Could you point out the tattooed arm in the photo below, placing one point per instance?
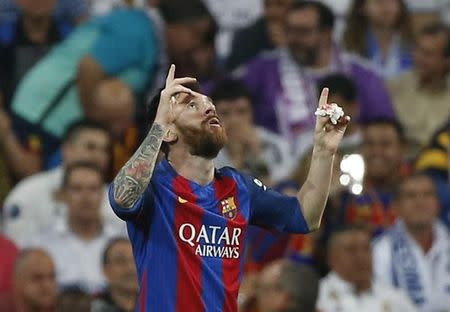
(134, 177)
(132, 180)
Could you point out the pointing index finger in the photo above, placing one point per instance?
(170, 75)
(323, 100)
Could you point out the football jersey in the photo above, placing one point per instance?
(189, 240)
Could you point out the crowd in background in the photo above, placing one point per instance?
(75, 76)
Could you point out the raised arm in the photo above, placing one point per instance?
(314, 193)
(134, 177)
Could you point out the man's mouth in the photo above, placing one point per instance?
(214, 122)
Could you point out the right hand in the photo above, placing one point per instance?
(168, 111)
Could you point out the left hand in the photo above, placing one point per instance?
(326, 135)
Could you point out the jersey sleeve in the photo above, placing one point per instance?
(272, 210)
(144, 205)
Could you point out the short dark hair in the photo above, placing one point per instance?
(74, 129)
(326, 16)
(438, 28)
(357, 227)
(416, 175)
(228, 90)
(182, 11)
(112, 242)
(69, 169)
(394, 123)
(339, 84)
(152, 109)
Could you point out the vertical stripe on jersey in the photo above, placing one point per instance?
(226, 187)
(143, 293)
(213, 290)
(189, 277)
(164, 276)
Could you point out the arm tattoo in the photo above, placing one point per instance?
(135, 175)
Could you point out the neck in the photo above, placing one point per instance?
(194, 168)
(423, 235)
(124, 298)
(384, 36)
(85, 229)
(36, 27)
(325, 55)
(383, 183)
(436, 83)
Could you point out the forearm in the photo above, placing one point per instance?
(314, 193)
(135, 175)
(22, 162)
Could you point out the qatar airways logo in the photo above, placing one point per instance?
(211, 240)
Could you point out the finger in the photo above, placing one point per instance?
(178, 89)
(170, 75)
(323, 97)
(343, 123)
(184, 80)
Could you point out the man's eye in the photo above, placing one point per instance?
(192, 105)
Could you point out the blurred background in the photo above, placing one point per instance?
(75, 77)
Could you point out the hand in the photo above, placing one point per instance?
(326, 135)
(168, 111)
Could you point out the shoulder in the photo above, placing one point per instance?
(7, 31)
(241, 179)
(361, 65)
(265, 61)
(33, 185)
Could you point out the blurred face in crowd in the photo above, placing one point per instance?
(120, 269)
(84, 194)
(35, 281)
(382, 151)
(37, 8)
(429, 58)
(383, 13)
(276, 10)
(417, 202)
(114, 106)
(350, 256)
(270, 295)
(303, 35)
(235, 114)
(198, 125)
(89, 145)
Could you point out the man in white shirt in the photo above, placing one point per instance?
(34, 203)
(253, 149)
(349, 286)
(76, 243)
(415, 254)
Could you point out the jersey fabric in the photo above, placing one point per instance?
(189, 240)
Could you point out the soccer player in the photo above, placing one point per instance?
(187, 221)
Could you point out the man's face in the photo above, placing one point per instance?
(120, 269)
(234, 115)
(429, 59)
(270, 295)
(417, 204)
(382, 151)
(351, 257)
(37, 282)
(383, 13)
(90, 145)
(84, 194)
(198, 125)
(303, 35)
(37, 8)
(276, 10)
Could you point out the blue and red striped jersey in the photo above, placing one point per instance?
(189, 240)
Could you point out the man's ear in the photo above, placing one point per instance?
(171, 135)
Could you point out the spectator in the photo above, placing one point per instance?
(258, 151)
(283, 83)
(120, 271)
(9, 254)
(414, 254)
(74, 299)
(266, 33)
(383, 154)
(382, 32)
(36, 201)
(349, 286)
(77, 242)
(34, 281)
(124, 44)
(287, 286)
(422, 96)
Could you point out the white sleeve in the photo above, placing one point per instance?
(382, 261)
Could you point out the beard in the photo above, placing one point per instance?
(303, 55)
(204, 142)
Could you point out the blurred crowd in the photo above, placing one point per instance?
(75, 76)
